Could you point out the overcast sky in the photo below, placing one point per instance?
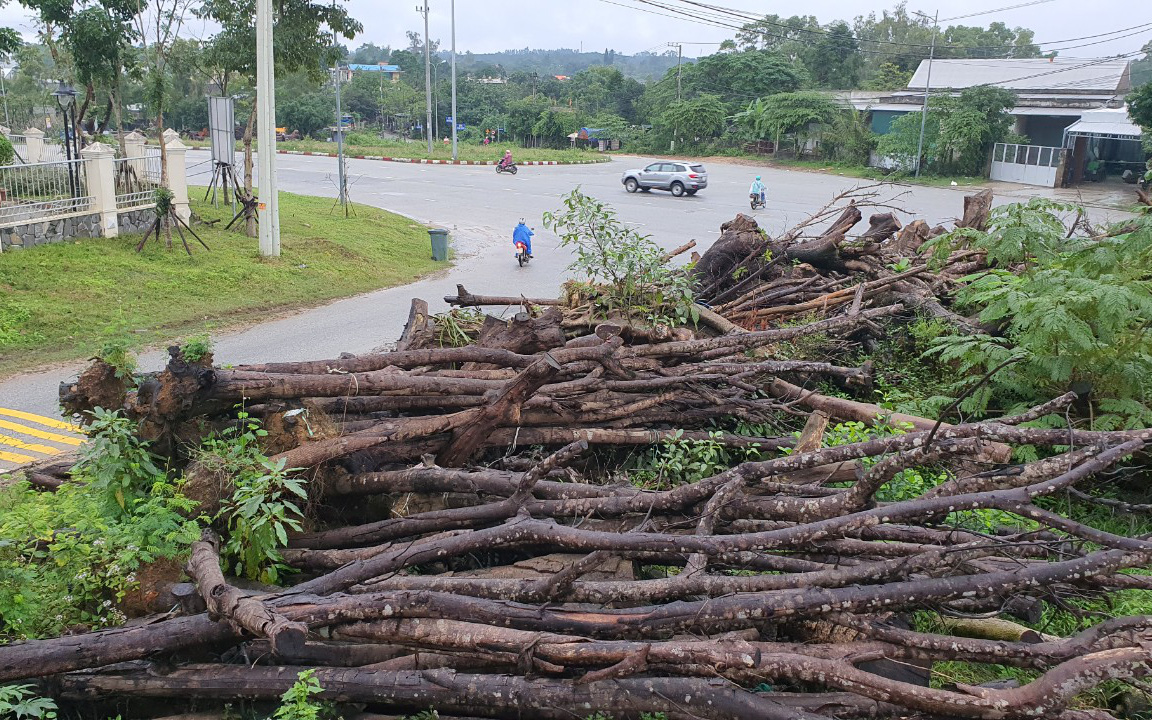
(629, 26)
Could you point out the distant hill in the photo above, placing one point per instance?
(565, 61)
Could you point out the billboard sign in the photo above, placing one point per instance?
(222, 129)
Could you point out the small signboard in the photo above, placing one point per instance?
(222, 129)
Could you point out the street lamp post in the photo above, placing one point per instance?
(455, 122)
(66, 98)
(927, 85)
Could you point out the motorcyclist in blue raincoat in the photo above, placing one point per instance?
(757, 189)
(523, 235)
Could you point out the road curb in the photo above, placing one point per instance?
(426, 161)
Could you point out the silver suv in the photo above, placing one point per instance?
(679, 178)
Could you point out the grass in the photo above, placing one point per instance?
(876, 173)
(64, 301)
(367, 143)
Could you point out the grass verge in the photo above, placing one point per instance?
(64, 301)
(364, 143)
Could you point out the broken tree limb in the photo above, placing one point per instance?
(867, 413)
(237, 608)
(463, 298)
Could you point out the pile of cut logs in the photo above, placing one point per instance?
(482, 544)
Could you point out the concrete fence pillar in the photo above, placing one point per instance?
(134, 144)
(100, 171)
(34, 139)
(178, 176)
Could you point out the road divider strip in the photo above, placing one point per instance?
(427, 161)
(42, 420)
(42, 434)
(30, 447)
(15, 457)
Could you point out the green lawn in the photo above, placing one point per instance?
(877, 174)
(63, 301)
(366, 143)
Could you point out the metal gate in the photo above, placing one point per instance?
(1026, 164)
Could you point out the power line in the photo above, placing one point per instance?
(714, 15)
(989, 12)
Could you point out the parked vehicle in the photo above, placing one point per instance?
(678, 177)
(756, 200)
(509, 168)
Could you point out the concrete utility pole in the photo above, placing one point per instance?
(455, 122)
(339, 128)
(679, 56)
(266, 131)
(427, 78)
(927, 85)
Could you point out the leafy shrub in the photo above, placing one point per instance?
(260, 512)
(7, 152)
(20, 702)
(680, 460)
(297, 702)
(197, 347)
(625, 267)
(67, 557)
(1071, 312)
(116, 464)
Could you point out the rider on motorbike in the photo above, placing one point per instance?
(523, 235)
(757, 189)
(507, 159)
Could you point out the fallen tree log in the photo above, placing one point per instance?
(242, 612)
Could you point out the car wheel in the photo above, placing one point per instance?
(677, 189)
(630, 185)
(691, 192)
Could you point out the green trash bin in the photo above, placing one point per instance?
(439, 238)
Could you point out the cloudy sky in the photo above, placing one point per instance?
(632, 26)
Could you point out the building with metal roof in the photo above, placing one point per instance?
(1101, 77)
(1062, 104)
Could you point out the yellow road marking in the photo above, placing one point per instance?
(33, 447)
(42, 434)
(15, 457)
(41, 420)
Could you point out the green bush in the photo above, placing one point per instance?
(7, 152)
(67, 558)
(624, 270)
(261, 511)
(1071, 312)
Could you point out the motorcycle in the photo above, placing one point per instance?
(522, 255)
(756, 200)
(509, 168)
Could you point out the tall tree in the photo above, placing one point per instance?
(835, 60)
(303, 31)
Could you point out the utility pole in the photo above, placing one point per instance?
(679, 57)
(455, 122)
(339, 129)
(927, 85)
(4, 92)
(535, 77)
(266, 131)
(427, 78)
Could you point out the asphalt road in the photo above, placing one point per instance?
(480, 208)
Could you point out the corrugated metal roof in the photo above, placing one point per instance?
(1106, 121)
(1060, 74)
(1021, 110)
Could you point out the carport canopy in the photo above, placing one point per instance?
(1110, 123)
